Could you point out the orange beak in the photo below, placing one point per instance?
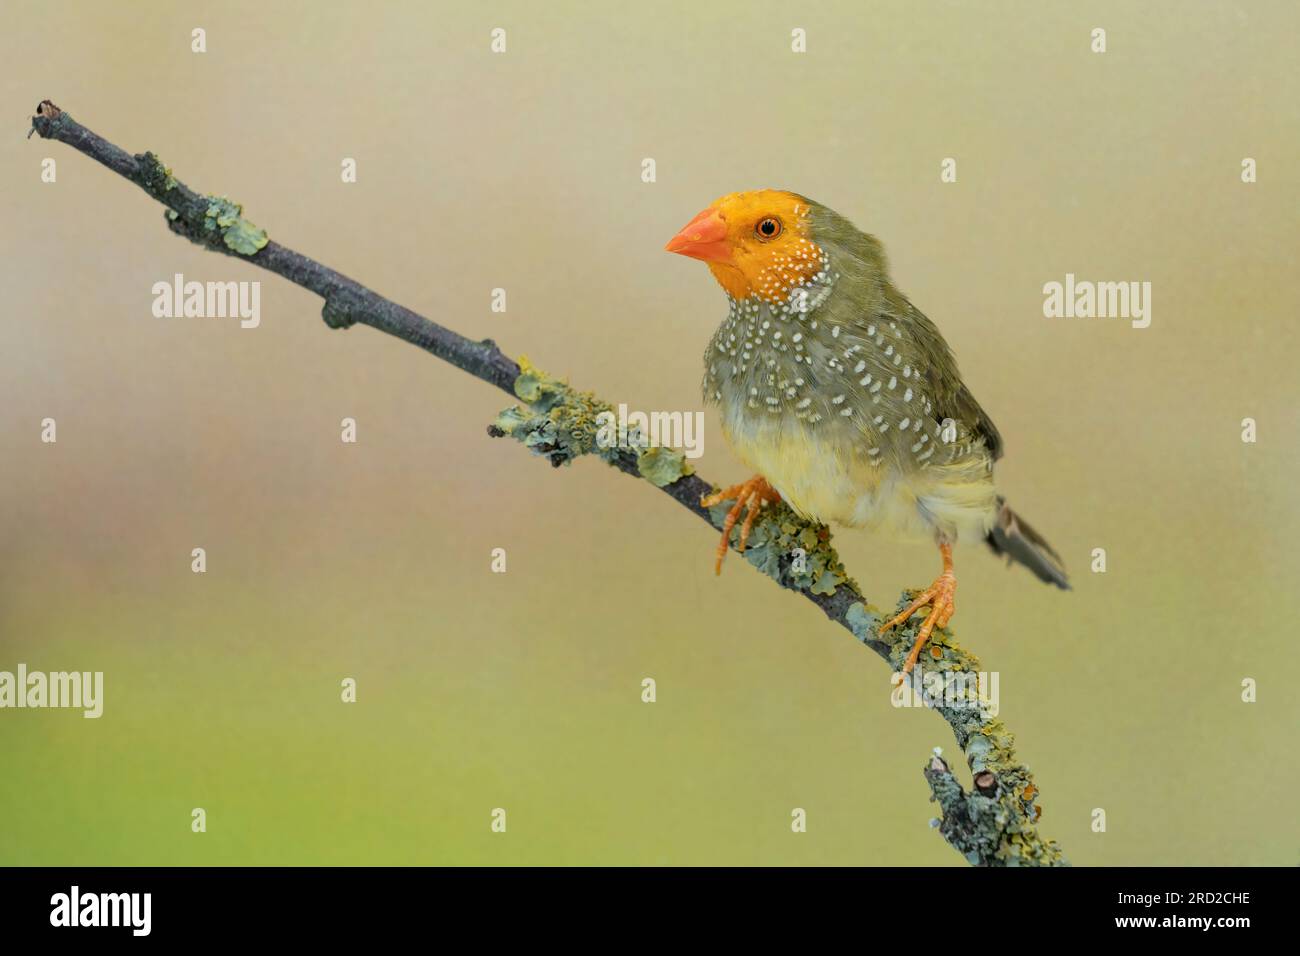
(704, 237)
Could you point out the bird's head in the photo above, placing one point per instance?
(755, 243)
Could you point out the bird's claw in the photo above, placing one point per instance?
(940, 598)
(752, 495)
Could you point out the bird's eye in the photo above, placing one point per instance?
(768, 228)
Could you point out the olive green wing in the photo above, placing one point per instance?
(952, 399)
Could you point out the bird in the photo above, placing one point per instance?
(843, 397)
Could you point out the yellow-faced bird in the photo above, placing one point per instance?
(842, 395)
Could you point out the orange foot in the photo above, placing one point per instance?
(939, 597)
(752, 494)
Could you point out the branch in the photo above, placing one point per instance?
(992, 825)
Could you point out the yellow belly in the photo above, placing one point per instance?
(832, 480)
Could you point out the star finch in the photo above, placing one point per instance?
(842, 395)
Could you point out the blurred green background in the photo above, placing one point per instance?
(522, 170)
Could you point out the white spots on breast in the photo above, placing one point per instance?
(770, 342)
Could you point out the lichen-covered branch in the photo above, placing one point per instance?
(992, 825)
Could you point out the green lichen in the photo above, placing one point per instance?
(559, 423)
(562, 424)
(154, 176)
(662, 466)
(861, 621)
(225, 218)
(536, 387)
(794, 552)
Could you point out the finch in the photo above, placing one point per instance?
(842, 396)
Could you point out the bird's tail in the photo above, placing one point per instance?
(1012, 536)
